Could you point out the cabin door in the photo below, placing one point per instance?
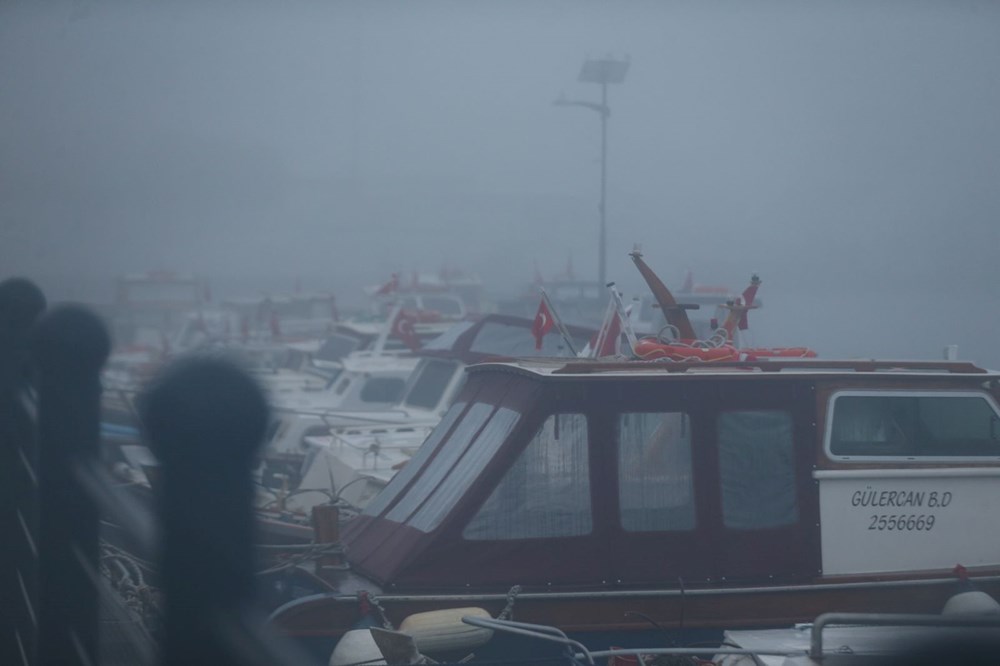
(758, 501)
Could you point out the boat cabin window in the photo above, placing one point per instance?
(337, 347)
(386, 390)
(342, 386)
(451, 452)
(757, 469)
(546, 492)
(655, 484)
(913, 425)
(430, 382)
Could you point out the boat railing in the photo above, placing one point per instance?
(582, 654)
(956, 621)
(62, 604)
(538, 631)
(816, 653)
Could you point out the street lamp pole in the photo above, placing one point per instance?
(603, 234)
(603, 71)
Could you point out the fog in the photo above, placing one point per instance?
(847, 152)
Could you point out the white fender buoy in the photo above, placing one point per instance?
(354, 647)
(443, 631)
(971, 602)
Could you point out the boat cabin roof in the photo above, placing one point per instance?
(793, 366)
(575, 474)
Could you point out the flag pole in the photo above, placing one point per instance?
(559, 324)
(602, 333)
(625, 319)
(383, 336)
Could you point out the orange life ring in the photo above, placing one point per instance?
(779, 352)
(651, 349)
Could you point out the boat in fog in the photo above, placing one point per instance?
(618, 496)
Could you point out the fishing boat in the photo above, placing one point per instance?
(612, 498)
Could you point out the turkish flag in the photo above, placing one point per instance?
(543, 323)
(402, 328)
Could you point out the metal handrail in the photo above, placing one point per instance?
(539, 631)
(555, 635)
(958, 621)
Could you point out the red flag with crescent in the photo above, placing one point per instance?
(543, 323)
(403, 329)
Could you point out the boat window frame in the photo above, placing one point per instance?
(792, 488)
(381, 383)
(417, 375)
(687, 420)
(448, 453)
(907, 393)
(401, 481)
(477, 453)
(586, 458)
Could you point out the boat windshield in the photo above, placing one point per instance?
(429, 383)
(447, 306)
(337, 347)
(500, 339)
(374, 392)
(458, 463)
(447, 340)
(403, 478)
(473, 458)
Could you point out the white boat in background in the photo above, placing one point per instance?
(362, 449)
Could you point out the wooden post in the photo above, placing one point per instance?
(69, 345)
(21, 302)
(326, 527)
(205, 419)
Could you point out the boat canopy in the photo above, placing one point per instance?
(563, 474)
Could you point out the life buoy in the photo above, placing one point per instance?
(651, 349)
(779, 352)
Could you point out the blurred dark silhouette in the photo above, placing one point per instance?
(205, 419)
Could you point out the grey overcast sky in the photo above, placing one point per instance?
(847, 151)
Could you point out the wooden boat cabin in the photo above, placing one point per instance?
(686, 494)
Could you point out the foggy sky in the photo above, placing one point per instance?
(849, 152)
